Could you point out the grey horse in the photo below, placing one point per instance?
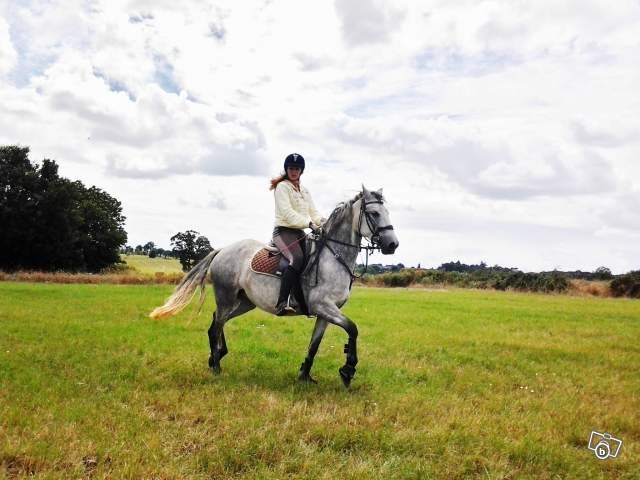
(326, 280)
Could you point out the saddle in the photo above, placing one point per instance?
(268, 261)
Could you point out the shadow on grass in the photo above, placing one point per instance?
(261, 376)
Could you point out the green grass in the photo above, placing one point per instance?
(451, 384)
(145, 265)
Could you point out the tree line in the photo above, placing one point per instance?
(482, 270)
(500, 278)
(188, 247)
(600, 273)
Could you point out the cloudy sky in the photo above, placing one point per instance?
(501, 131)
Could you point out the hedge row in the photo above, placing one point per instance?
(499, 280)
(627, 285)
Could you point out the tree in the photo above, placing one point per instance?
(203, 247)
(147, 247)
(157, 252)
(603, 273)
(52, 223)
(101, 229)
(190, 247)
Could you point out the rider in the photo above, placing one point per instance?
(294, 211)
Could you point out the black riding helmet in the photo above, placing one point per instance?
(294, 160)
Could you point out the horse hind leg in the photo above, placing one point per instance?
(217, 341)
(215, 332)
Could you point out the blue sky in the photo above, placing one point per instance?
(504, 132)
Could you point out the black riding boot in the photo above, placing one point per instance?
(289, 278)
(299, 294)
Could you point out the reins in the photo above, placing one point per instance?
(296, 241)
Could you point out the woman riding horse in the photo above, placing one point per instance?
(238, 289)
(294, 211)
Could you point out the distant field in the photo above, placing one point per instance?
(146, 265)
(451, 384)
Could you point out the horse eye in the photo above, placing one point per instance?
(375, 214)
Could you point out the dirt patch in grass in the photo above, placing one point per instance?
(15, 465)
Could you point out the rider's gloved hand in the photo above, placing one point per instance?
(317, 229)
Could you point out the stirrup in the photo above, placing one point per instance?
(287, 309)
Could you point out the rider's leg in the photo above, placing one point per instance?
(285, 240)
(298, 293)
(299, 264)
(287, 281)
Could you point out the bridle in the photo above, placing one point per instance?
(374, 244)
(371, 224)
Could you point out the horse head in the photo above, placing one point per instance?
(374, 222)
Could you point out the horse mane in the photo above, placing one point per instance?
(343, 208)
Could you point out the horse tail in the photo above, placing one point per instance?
(184, 292)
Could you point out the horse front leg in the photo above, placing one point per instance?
(348, 370)
(332, 314)
(316, 337)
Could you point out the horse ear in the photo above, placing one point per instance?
(365, 192)
(379, 191)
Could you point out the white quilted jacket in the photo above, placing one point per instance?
(295, 209)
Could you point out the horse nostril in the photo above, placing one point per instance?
(393, 246)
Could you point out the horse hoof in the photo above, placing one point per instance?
(307, 379)
(346, 374)
(214, 366)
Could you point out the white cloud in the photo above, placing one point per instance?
(366, 22)
(8, 54)
(607, 132)
(500, 131)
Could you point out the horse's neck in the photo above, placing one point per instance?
(346, 232)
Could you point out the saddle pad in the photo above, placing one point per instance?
(266, 262)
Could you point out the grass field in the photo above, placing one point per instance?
(451, 384)
(145, 265)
